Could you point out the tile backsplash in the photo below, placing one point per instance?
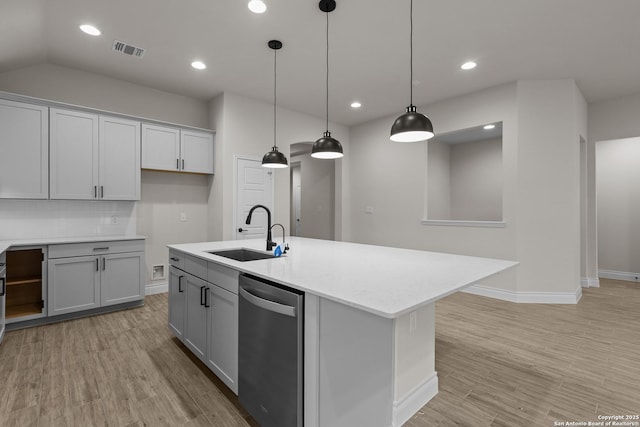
(26, 219)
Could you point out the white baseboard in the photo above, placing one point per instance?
(527, 297)
(156, 288)
(590, 282)
(619, 275)
(409, 404)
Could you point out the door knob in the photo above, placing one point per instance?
(240, 230)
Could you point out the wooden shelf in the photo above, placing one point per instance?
(24, 281)
(23, 310)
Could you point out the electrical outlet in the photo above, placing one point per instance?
(114, 219)
(413, 321)
(183, 217)
(369, 210)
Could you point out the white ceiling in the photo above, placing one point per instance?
(595, 42)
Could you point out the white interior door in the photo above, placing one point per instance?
(254, 186)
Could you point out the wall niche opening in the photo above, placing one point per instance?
(465, 175)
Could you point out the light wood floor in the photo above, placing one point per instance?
(499, 364)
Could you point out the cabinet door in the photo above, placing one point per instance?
(24, 144)
(176, 302)
(122, 278)
(74, 154)
(119, 170)
(222, 336)
(196, 151)
(160, 148)
(74, 284)
(195, 328)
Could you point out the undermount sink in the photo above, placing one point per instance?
(242, 254)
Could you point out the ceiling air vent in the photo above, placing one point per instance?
(128, 49)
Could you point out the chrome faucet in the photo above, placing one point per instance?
(270, 243)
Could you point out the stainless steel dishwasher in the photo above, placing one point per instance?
(270, 352)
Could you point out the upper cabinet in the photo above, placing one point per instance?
(178, 150)
(94, 157)
(24, 154)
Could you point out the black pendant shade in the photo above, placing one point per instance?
(411, 126)
(327, 147)
(274, 158)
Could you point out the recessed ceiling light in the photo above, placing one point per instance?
(468, 65)
(90, 29)
(489, 127)
(356, 104)
(198, 65)
(257, 6)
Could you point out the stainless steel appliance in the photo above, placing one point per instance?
(270, 352)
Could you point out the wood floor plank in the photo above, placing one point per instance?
(499, 364)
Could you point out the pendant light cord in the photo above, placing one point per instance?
(327, 103)
(411, 53)
(275, 82)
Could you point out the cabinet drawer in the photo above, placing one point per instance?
(95, 248)
(176, 259)
(226, 278)
(195, 266)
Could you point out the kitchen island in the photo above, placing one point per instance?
(369, 321)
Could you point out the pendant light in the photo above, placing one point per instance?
(411, 126)
(327, 147)
(274, 158)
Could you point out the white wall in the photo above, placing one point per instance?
(162, 194)
(542, 125)
(438, 176)
(254, 140)
(476, 181)
(31, 219)
(548, 208)
(317, 210)
(608, 120)
(390, 178)
(465, 181)
(77, 87)
(618, 196)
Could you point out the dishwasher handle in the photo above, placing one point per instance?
(266, 304)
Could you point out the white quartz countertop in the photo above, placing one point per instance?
(385, 281)
(6, 244)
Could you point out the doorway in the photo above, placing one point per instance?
(254, 186)
(312, 194)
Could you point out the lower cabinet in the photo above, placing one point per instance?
(177, 298)
(110, 275)
(204, 316)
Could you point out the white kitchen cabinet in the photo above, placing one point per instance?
(24, 143)
(176, 302)
(196, 151)
(173, 149)
(73, 137)
(122, 278)
(222, 335)
(74, 284)
(195, 328)
(160, 147)
(203, 314)
(119, 159)
(84, 276)
(3, 292)
(94, 157)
